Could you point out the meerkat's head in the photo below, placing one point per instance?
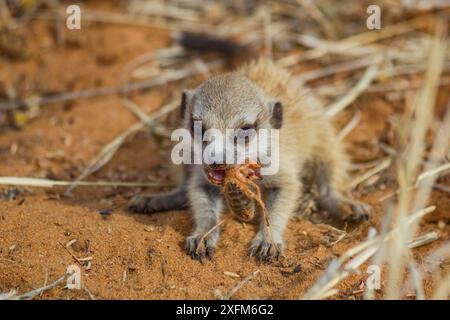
(233, 106)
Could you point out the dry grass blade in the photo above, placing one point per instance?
(432, 172)
(47, 183)
(161, 9)
(34, 293)
(155, 127)
(111, 148)
(380, 167)
(441, 187)
(128, 19)
(8, 295)
(354, 121)
(412, 132)
(402, 85)
(334, 69)
(169, 76)
(319, 17)
(356, 91)
(337, 270)
(424, 240)
(106, 154)
(161, 54)
(416, 277)
(91, 296)
(358, 40)
(443, 289)
(437, 172)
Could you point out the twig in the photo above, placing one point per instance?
(91, 296)
(31, 294)
(441, 187)
(380, 167)
(436, 172)
(319, 17)
(162, 9)
(240, 285)
(155, 127)
(202, 239)
(416, 279)
(433, 173)
(349, 126)
(71, 254)
(161, 54)
(45, 281)
(334, 69)
(403, 86)
(173, 75)
(128, 19)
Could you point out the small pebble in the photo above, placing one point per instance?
(105, 212)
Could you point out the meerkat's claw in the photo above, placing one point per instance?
(199, 250)
(265, 250)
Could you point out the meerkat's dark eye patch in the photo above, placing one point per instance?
(183, 105)
(276, 118)
(187, 98)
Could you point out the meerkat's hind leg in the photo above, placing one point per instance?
(335, 203)
(358, 210)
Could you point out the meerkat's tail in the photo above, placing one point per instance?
(174, 200)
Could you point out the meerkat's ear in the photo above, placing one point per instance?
(186, 98)
(276, 114)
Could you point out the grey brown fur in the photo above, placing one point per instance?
(311, 157)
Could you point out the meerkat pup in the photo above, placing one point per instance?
(312, 162)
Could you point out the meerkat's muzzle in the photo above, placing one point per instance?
(215, 173)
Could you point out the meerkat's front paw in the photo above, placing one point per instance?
(356, 211)
(141, 204)
(265, 250)
(199, 247)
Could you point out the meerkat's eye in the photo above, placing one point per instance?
(245, 134)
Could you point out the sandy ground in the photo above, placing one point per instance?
(138, 256)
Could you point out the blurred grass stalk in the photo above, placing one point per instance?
(412, 129)
(398, 227)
